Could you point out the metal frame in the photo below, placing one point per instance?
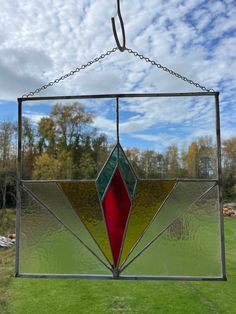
(107, 277)
(127, 95)
(218, 182)
(18, 194)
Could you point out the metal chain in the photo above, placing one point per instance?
(82, 67)
(102, 56)
(179, 76)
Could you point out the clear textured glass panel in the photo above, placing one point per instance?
(51, 195)
(106, 173)
(46, 247)
(169, 137)
(67, 138)
(149, 196)
(181, 197)
(116, 206)
(189, 247)
(84, 199)
(127, 172)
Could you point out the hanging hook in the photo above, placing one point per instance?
(120, 47)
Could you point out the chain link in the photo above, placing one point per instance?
(136, 54)
(102, 56)
(63, 77)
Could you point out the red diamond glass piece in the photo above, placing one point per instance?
(116, 207)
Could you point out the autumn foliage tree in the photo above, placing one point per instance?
(229, 167)
(68, 141)
(66, 145)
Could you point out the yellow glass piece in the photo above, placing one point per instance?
(84, 199)
(149, 196)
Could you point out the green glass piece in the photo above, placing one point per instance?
(46, 247)
(51, 195)
(149, 196)
(106, 173)
(127, 172)
(84, 199)
(189, 247)
(178, 202)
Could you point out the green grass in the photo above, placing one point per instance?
(6, 267)
(24, 295)
(7, 226)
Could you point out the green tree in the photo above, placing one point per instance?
(229, 157)
(46, 168)
(100, 149)
(190, 158)
(87, 167)
(200, 158)
(151, 164)
(28, 147)
(134, 155)
(172, 163)
(7, 161)
(68, 136)
(207, 157)
(47, 136)
(67, 168)
(229, 168)
(71, 121)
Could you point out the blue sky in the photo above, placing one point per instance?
(42, 40)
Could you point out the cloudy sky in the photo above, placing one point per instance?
(42, 40)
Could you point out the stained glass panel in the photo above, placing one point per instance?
(188, 247)
(84, 199)
(116, 206)
(46, 247)
(183, 195)
(106, 173)
(53, 197)
(127, 172)
(121, 184)
(149, 196)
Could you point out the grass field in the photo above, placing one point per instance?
(23, 295)
(7, 225)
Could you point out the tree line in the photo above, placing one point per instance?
(65, 145)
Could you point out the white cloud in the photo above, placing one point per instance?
(42, 40)
(34, 117)
(105, 125)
